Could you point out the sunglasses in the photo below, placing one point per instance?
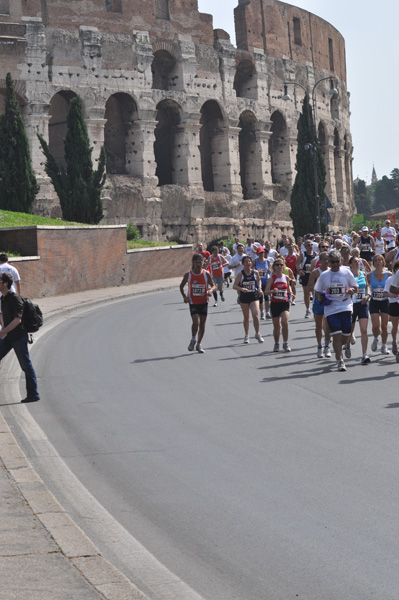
(278, 264)
(334, 261)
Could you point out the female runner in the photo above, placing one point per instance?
(379, 304)
(360, 308)
(393, 310)
(249, 286)
(279, 288)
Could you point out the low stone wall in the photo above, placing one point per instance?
(61, 260)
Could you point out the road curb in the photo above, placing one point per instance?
(81, 553)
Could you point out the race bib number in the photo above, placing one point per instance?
(262, 273)
(249, 285)
(307, 268)
(361, 294)
(280, 294)
(378, 294)
(365, 247)
(337, 291)
(198, 289)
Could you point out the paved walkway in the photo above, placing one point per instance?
(43, 554)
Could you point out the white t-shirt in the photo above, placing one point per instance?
(389, 235)
(7, 268)
(283, 251)
(272, 253)
(335, 285)
(235, 263)
(388, 284)
(395, 279)
(379, 246)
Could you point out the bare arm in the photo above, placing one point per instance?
(14, 323)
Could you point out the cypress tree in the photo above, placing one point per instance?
(303, 208)
(78, 187)
(18, 186)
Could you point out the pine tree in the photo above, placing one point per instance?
(78, 187)
(18, 186)
(303, 208)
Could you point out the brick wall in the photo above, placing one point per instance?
(73, 259)
(124, 17)
(270, 26)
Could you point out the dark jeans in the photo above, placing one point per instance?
(20, 348)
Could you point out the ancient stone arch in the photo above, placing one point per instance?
(119, 139)
(279, 149)
(165, 66)
(211, 145)
(168, 118)
(57, 127)
(249, 156)
(245, 83)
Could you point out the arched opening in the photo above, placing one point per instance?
(168, 117)
(210, 144)
(245, 80)
(163, 71)
(247, 150)
(334, 107)
(279, 149)
(120, 113)
(57, 128)
(321, 134)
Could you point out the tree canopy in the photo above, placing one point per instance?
(18, 185)
(78, 186)
(303, 203)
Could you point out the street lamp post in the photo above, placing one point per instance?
(312, 145)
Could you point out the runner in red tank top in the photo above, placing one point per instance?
(200, 288)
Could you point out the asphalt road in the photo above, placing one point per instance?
(249, 475)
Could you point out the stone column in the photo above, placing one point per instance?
(187, 154)
(226, 160)
(36, 121)
(95, 122)
(140, 151)
(328, 151)
(262, 149)
(340, 182)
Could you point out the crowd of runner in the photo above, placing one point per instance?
(345, 278)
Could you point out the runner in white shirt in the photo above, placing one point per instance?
(335, 289)
(393, 308)
(389, 234)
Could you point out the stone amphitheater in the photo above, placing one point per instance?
(200, 142)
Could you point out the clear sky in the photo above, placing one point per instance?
(371, 35)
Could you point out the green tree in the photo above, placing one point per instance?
(79, 186)
(303, 208)
(386, 194)
(18, 186)
(363, 201)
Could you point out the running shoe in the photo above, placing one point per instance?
(341, 365)
(268, 315)
(307, 314)
(384, 349)
(262, 315)
(365, 360)
(394, 348)
(348, 352)
(286, 347)
(199, 348)
(319, 351)
(397, 357)
(276, 347)
(191, 345)
(259, 338)
(246, 339)
(292, 302)
(374, 344)
(215, 304)
(222, 298)
(327, 352)
(353, 339)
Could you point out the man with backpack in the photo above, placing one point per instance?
(13, 335)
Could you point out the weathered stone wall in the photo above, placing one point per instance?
(200, 143)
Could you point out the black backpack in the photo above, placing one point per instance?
(32, 317)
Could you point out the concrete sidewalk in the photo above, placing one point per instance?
(44, 555)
